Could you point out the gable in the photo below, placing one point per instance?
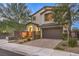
(44, 9)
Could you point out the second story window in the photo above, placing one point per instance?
(34, 18)
(49, 17)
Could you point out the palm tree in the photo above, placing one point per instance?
(18, 12)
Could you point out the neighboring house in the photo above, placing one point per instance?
(43, 22)
(75, 33)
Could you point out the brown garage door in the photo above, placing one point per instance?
(52, 33)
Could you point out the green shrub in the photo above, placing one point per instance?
(64, 36)
(72, 42)
(59, 48)
(64, 44)
(29, 39)
(24, 37)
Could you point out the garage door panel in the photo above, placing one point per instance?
(52, 33)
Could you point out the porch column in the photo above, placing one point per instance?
(40, 32)
(33, 32)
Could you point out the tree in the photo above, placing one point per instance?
(15, 16)
(75, 12)
(10, 26)
(63, 15)
(18, 12)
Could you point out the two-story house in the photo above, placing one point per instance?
(43, 21)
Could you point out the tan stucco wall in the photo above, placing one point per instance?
(40, 19)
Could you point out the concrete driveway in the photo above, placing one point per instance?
(44, 43)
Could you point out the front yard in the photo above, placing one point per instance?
(63, 46)
(50, 43)
(58, 44)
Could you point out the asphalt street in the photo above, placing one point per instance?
(8, 53)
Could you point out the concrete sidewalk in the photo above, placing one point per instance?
(32, 50)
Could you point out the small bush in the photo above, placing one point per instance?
(59, 48)
(72, 42)
(28, 38)
(64, 44)
(24, 37)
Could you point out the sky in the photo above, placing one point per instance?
(36, 6)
